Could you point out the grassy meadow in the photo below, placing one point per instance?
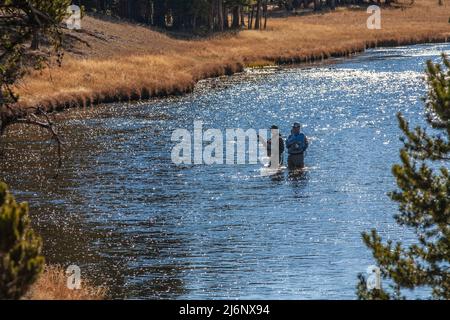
(129, 62)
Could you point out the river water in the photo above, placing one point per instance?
(146, 228)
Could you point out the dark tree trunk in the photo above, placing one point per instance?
(265, 14)
(122, 9)
(316, 5)
(220, 20)
(211, 17)
(258, 15)
(194, 22)
(252, 14)
(332, 4)
(148, 12)
(236, 15)
(35, 41)
(159, 13)
(226, 22)
(242, 17)
(131, 10)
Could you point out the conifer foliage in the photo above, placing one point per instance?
(423, 196)
(21, 261)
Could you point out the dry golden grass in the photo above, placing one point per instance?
(52, 285)
(131, 62)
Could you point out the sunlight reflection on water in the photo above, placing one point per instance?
(129, 217)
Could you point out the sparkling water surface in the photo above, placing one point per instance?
(147, 228)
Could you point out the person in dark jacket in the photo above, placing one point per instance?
(273, 148)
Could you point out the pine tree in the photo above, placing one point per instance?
(20, 249)
(23, 22)
(424, 201)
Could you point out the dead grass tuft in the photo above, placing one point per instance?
(52, 285)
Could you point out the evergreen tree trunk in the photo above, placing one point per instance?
(265, 14)
(159, 13)
(122, 10)
(226, 22)
(242, 17)
(35, 42)
(258, 15)
(211, 18)
(148, 12)
(102, 6)
(333, 4)
(130, 11)
(194, 22)
(236, 16)
(316, 5)
(220, 20)
(252, 14)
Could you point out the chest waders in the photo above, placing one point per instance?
(296, 161)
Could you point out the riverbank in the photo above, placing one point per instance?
(129, 62)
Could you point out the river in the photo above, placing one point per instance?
(146, 228)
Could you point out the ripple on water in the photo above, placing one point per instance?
(148, 228)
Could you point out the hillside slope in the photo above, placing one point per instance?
(126, 61)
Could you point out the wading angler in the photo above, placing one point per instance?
(212, 146)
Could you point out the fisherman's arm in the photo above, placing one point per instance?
(290, 141)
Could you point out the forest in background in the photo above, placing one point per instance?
(207, 15)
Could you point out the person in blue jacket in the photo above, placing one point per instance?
(296, 144)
